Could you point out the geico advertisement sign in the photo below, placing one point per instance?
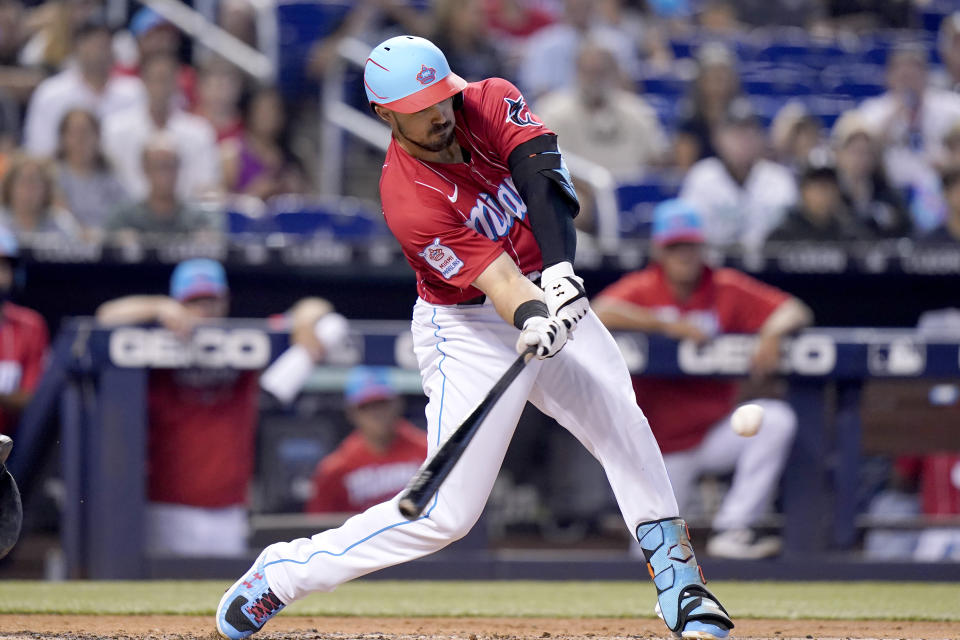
(808, 355)
(207, 347)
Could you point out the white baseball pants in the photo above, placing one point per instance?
(757, 463)
(462, 351)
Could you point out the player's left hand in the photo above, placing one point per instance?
(564, 294)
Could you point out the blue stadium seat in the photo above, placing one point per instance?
(343, 218)
(300, 23)
(636, 201)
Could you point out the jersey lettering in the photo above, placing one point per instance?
(494, 218)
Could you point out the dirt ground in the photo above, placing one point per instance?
(43, 627)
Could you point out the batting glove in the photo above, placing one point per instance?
(548, 335)
(564, 294)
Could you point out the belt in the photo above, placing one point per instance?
(473, 302)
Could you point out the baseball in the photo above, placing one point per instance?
(746, 420)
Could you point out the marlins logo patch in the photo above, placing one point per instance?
(442, 258)
(518, 114)
(426, 75)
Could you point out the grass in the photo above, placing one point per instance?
(847, 601)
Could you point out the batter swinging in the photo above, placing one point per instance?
(477, 194)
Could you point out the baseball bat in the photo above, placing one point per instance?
(435, 470)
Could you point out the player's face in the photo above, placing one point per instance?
(682, 263)
(377, 419)
(208, 307)
(430, 129)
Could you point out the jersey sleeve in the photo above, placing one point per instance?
(752, 300)
(507, 119)
(633, 288)
(435, 238)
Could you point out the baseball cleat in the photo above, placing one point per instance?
(698, 629)
(247, 605)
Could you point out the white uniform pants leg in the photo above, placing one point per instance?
(587, 389)
(461, 353)
(757, 463)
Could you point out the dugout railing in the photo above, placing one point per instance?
(97, 382)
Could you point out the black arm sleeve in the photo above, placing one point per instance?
(546, 188)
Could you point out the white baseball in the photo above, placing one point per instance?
(746, 420)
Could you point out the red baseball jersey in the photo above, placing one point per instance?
(453, 220)
(354, 477)
(681, 411)
(939, 481)
(202, 424)
(23, 350)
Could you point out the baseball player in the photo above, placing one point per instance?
(476, 192)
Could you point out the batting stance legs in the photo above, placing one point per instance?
(461, 352)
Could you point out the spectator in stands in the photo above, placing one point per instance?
(156, 36)
(820, 216)
(863, 180)
(261, 163)
(86, 181)
(949, 231)
(219, 89)
(163, 211)
(602, 122)
(867, 16)
(202, 421)
(460, 30)
(375, 462)
(948, 44)
(937, 475)
(741, 195)
(643, 27)
(239, 19)
(716, 85)
(551, 54)
(56, 28)
(681, 297)
(516, 20)
(23, 340)
(912, 119)
(29, 203)
(795, 134)
(125, 134)
(17, 81)
(88, 84)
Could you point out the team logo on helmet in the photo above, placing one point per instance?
(426, 75)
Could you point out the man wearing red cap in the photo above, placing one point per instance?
(475, 190)
(681, 297)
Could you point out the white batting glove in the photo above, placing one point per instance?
(564, 294)
(547, 334)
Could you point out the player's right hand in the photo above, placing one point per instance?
(547, 334)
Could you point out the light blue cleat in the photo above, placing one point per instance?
(683, 601)
(248, 604)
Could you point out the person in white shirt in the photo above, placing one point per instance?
(88, 84)
(741, 195)
(126, 134)
(602, 122)
(550, 58)
(912, 119)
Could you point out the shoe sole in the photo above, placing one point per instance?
(220, 631)
(702, 635)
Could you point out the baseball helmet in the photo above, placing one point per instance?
(408, 74)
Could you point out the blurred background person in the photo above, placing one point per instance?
(17, 80)
(88, 84)
(740, 195)
(23, 339)
(53, 29)
(863, 179)
(600, 121)
(912, 118)
(126, 133)
(949, 230)
(261, 162)
(219, 89)
(681, 297)
(87, 183)
(820, 215)
(28, 200)
(460, 31)
(796, 134)
(715, 86)
(948, 45)
(375, 462)
(155, 36)
(202, 422)
(550, 61)
(162, 211)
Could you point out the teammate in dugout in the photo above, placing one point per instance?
(477, 194)
(682, 297)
